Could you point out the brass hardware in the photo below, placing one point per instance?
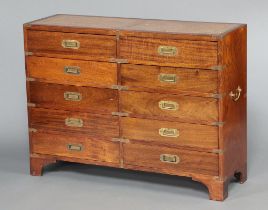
(122, 140)
(217, 151)
(167, 78)
(169, 132)
(74, 122)
(167, 50)
(31, 105)
(72, 70)
(218, 68)
(218, 96)
(119, 87)
(167, 158)
(120, 114)
(30, 79)
(28, 53)
(168, 105)
(75, 147)
(235, 95)
(70, 44)
(118, 60)
(218, 123)
(72, 96)
(32, 130)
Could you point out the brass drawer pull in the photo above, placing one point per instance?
(74, 122)
(72, 70)
(72, 96)
(167, 50)
(167, 78)
(167, 158)
(70, 44)
(169, 132)
(235, 95)
(168, 105)
(75, 147)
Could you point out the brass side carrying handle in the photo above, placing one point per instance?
(168, 105)
(168, 158)
(169, 132)
(74, 122)
(72, 70)
(72, 96)
(167, 50)
(167, 78)
(75, 147)
(235, 95)
(70, 44)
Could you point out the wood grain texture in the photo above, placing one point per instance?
(192, 54)
(191, 81)
(190, 109)
(95, 74)
(92, 47)
(51, 96)
(94, 125)
(197, 137)
(92, 149)
(38, 163)
(190, 161)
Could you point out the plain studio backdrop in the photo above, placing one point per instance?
(77, 186)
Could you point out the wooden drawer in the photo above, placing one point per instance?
(170, 107)
(72, 72)
(74, 146)
(94, 125)
(149, 157)
(164, 52)
(171, 134)
(168, 79)
(84, 99)
(71, 45)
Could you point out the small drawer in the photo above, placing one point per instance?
(171, 134)
(84, 99)
(74, 146)
(71, 45)
(170, 160)
(170, 107)
(163, 52)
(72, 72)
(94, 125)
(168, 79)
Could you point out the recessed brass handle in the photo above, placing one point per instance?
(72, 70)
(167, 78)
(167, 50)
(168, 158)
(70, 44)
(169, 132)
(75, 147)
(74, 122)
(72, 96)
(235, 95)
(168, 105)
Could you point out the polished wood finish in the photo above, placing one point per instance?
(122, 114)
(91, 73)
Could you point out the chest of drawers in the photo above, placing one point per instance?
(151, 95)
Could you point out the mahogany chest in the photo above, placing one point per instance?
(151, 95)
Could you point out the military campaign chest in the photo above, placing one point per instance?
(151, 95)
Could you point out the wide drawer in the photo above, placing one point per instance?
(168, 79)
(169, 107)
(82, 147)
(72, 72)
(73, 98)
(169, 160)
(170, 134)
(71, 45)
(94, 125)
(164, 52)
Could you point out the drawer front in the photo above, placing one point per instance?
(169, 160)
(74, 146)
(168, 106)
(71, 45)
(162, 52)
(94, 125)
(168, 79)
(85, 99)
(170, 133)
(72, 72)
